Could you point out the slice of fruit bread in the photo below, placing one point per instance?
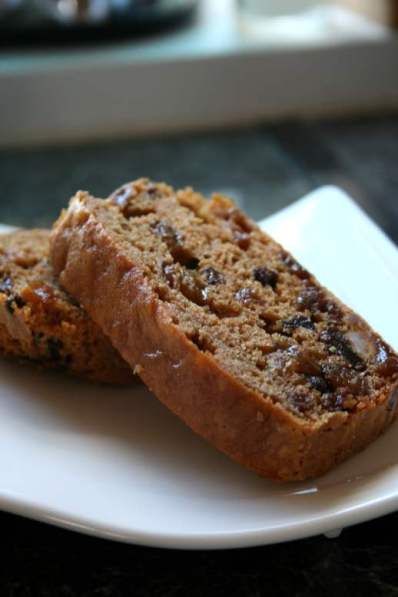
(228, 330)
(40, 322)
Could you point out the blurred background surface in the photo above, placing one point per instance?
(193, 65)
(261, 99)
(263, 167)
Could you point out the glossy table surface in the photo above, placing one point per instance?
(263, 168)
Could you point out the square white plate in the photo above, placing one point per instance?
(115, 463)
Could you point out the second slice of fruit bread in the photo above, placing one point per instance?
(227, 329)
(40, 322)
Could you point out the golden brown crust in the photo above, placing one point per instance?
(249, 427)
(41, 323)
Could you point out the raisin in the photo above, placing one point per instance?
(244, 295)
(122, 196)
(6, 285)
(19, 301)
(309, 298)
(167, 233)
(333, 402)
(334, 338)
(265, 276)
(319, 383)
(294, 266)
(173, 240)
(170, 274)
(314, 299)
(360, 385)
(386, 361)
(383, 353)
(213, 276)
(240, 228)
(299, 321)
(192, 263)
(43, 293)
(242, 239)
(335, 374)
(142, 206)
(333, 310)
(151, 188)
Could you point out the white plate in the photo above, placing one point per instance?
(115, 463)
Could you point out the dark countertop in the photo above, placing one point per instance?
(264, 168)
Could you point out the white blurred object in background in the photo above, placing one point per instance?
(291, 19)
(277, 8)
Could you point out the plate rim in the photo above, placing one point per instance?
(357, 514)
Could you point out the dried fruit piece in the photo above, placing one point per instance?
(310, 298)
(265, 276)
(173, 240)
(386, 361)
(335, 374)
(319, 383)
(169, 273)
(213, 276)
(167, 233)
(244, 295)
(6, 285)
(122, 196)
(238, 224)
(362, 343)
(335, 339)
(242, 239)
(360, 385)
(294, 266)
(333, 402)
(299, 321)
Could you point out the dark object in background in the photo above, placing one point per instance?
(62, 21)
(384, 11)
